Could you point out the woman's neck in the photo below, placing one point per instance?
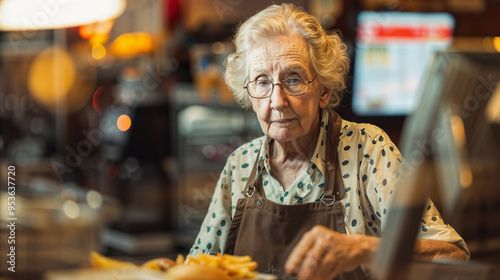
(301, 149)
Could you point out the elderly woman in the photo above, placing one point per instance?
(310, 196)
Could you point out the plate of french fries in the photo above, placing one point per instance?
(201, 267)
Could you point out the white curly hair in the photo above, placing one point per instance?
(327, 52)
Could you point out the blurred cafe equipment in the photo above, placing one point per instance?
(115, 123)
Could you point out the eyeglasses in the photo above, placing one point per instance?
(294, 85)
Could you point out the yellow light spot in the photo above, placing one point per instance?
(51, 76)
(98, 51)
(129, 44)
(97, 38)
(496, 43)
(123, 122)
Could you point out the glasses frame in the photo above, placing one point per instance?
(281, 85)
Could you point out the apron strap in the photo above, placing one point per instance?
(251, 187)
(334, 185)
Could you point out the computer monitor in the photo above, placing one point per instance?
(450, 143)
(392, 51)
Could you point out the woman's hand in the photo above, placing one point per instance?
(323, 253)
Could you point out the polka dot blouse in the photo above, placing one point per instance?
(369, 163)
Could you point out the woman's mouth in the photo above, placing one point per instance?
(282, 121)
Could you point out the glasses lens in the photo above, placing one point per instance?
(260, 88)
(295, 85)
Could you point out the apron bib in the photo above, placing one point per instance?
(268, 231)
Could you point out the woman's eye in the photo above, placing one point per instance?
(294, 80)
(263, 83)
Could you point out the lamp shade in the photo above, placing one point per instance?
(21, 15)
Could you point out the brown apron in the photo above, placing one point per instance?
(268, 231)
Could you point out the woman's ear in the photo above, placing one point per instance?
(324, 98)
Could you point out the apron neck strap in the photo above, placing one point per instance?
(334, 187)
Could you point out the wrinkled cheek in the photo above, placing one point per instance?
(263, 114)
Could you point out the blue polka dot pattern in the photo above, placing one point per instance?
(367, 172)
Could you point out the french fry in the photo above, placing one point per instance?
(237, 267)
(99, 261)
(180, 259)
(236, 259)
(229, 266)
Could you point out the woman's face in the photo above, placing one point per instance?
(282, 117)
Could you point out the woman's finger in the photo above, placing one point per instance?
(299, 252)
(314, 258)
(329, 268)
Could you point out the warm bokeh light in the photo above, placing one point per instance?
(94, 199)
(492, 109)
(132, 43)
(71, 209)
(124, 122)
(496, 43)
(25, 15)
(98, 38)
(51, 76)
(98, 51)
(85, 31)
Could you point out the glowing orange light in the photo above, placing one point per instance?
(51, 76)
(496, 43)
(85, 31)
(98, 51)
(97, 38)
(132, 44)
(124, 122)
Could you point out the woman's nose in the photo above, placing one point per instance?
(278, 98)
